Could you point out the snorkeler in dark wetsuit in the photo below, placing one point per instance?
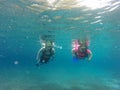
(45, 53)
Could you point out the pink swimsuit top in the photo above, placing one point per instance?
(76, 46)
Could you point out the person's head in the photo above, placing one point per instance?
(48, 44)
(82, 48)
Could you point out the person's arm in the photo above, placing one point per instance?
(89, 54)
(73, 52)
(53, 54)
(39, 54)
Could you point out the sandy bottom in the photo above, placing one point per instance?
(46, 78)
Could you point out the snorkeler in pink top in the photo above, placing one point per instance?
(80, 49)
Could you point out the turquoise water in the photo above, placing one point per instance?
(22, 25)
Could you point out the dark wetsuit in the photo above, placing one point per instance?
(46, 55)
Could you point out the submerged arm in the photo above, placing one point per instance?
(89, 55)
(53, 54)
(39, 54)
(73, 52)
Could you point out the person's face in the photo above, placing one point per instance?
(82, 49)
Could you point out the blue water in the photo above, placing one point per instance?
(21, 27)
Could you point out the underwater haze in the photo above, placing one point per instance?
(24, 22)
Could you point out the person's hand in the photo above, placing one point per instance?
(89, 59)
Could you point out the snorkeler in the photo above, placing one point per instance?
(80, 50)
(45, 53)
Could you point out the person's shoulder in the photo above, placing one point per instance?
(89, 51)
(43, 48)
